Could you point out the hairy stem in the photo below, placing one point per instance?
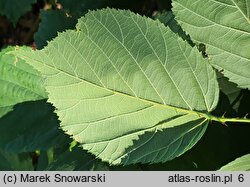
(232, 120)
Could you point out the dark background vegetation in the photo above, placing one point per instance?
(220, 145)
(23, 32)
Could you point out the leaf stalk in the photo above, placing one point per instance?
(223, 120)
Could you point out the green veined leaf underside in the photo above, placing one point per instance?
(224, 27)
(19, 82)
(119, 75)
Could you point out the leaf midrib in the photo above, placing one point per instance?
(156, 55)
(114, 91)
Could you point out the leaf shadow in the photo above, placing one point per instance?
(168, 19)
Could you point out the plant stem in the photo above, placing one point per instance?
(233, 120)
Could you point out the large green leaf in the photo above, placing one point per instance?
(119, 75)
(19, 82)
(224, 27)
(240, 164)
(13, 9)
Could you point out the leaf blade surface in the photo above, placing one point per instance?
(224, 27)
(120, 75)
(19, 82)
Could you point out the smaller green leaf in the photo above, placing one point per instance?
(14, 9)
(19, 82)
(240, 164)
(166, 144)
(224, 27)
